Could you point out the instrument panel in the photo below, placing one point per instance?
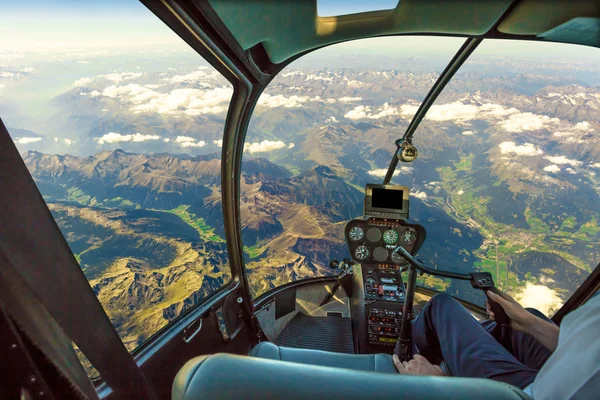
(373, 240)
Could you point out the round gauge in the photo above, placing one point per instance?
(380, 254)
(356, 233)
(390, 236)
(370, 281)
(408, 237)
(398, 259)
(361, 252)
(374, 235)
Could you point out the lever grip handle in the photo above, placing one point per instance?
(499, 314)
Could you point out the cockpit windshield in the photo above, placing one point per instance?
(323, 128)
(505, 180)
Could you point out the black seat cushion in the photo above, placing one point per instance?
(361, 362)
(231, 377)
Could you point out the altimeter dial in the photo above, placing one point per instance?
(390, 236)
(361, 252)
(408, 237)
(356, 233)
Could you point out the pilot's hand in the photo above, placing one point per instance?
(519, 317)
(417, 366)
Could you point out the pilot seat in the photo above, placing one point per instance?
(273, 372)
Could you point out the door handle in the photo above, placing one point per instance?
(192, 330)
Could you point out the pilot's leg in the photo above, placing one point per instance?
(446, 330)
(523, 346)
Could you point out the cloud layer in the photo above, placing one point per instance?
(114, 137)
(527, 149)
(27, 140)
(186, 141)
(266, 146)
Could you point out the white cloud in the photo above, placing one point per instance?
(264, 146)
(114, 137)
(331, 119)
(153, 86)
(539, 297)
(527, 122)
(583, 126)
(571, 170)
(195, 76)
(468, 133)
(512, 120)
(56, 139)
(452, 111)
(596, 165)
(562, 160)
(120, 77)
(166, 140)
(527, 149)
(552, 168)
(218, 143)
(419, 195)
(187, 141)
(68, 142)
(82, 82)
(460, 192)
(291, 146)
(363, 112)
(200, 143)
(358, 112)
(562, 133)
(267, 100)
(380, 173)
(83, 62)
(27, 140)
(27, 70)
(346, 99)
(2, 86)
(187, 101)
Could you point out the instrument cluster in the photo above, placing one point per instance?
(373, 240)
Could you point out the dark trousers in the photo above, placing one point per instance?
(445, 330)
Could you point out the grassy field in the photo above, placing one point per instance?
(206, 231)
(468, 204)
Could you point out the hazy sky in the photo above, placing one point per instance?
(61, 25)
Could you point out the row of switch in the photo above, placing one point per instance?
(380, 291)
(385, 313)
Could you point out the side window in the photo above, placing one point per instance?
(517, 181)
(323, 129)
(120, 125)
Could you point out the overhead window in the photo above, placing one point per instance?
(332, 8)
(120, 124)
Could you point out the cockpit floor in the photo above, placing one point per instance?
(319, 333)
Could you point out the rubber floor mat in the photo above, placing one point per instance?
(319, 333)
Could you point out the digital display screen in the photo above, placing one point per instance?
(388, 339)
(391, 199)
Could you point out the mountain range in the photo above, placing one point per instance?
(505, 180)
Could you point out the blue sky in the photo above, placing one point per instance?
(327, 8)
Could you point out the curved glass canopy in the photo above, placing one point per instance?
(137, 149)
(498, 180)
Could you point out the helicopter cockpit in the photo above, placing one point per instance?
(209, 199)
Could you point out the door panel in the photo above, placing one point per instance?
(161, 361)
